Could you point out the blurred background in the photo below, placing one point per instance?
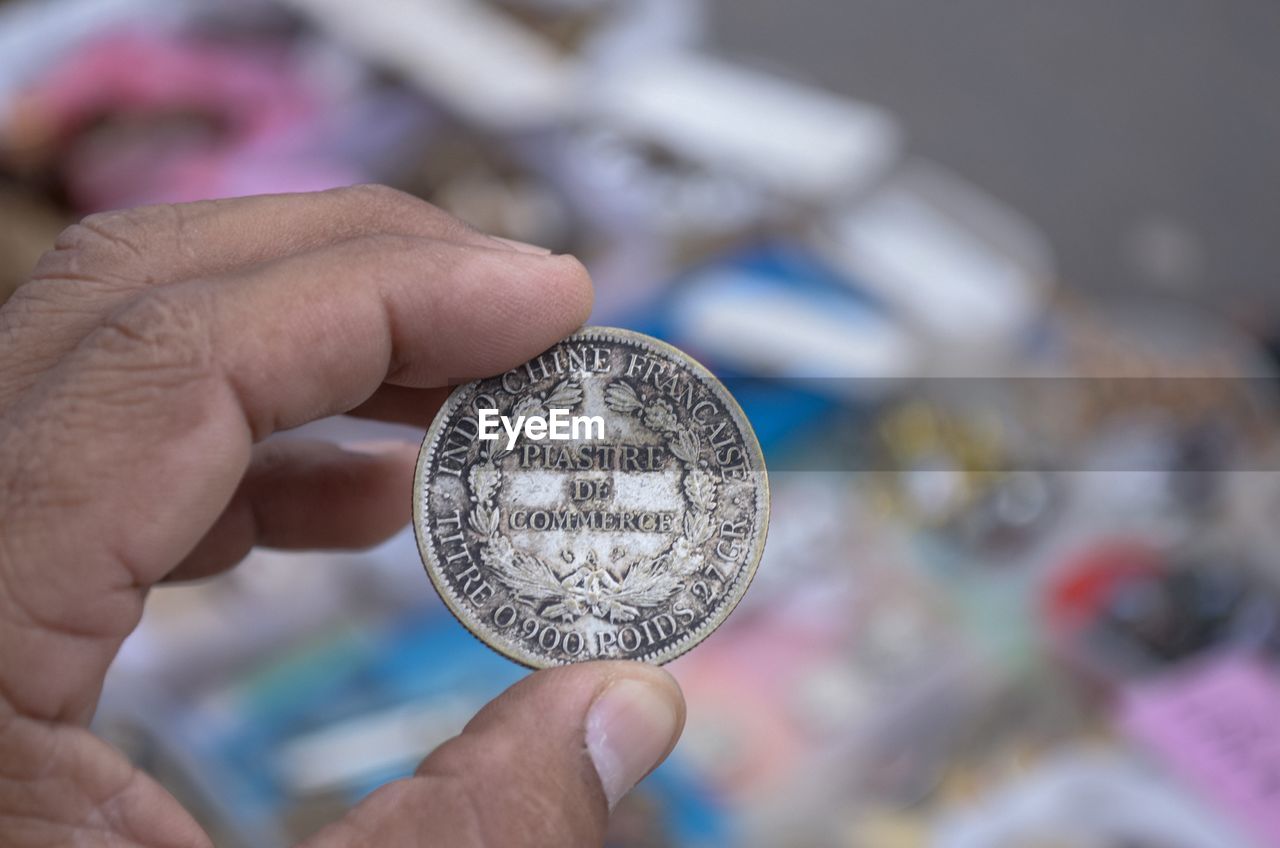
(994, 282)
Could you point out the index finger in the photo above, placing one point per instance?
(108, 258)
(130, 448)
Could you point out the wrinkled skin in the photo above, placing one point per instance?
(140, 370)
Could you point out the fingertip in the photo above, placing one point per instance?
(579, 291)
(629, 716)
(511, 308)
(546, 761)
(554, 290)
(631, 726)
(614, 671)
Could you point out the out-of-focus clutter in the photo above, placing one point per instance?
(1018, 587)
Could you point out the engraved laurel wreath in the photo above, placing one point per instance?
(591, 589)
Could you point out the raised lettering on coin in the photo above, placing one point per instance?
(555, 543)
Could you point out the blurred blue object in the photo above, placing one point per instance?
(788, 376)
(336, 719)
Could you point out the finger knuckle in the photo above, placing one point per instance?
(119, 243)
(120, 231)
(58, 263)
(78, 254)
(36, 300)
(164, 330)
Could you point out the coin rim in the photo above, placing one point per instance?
(709, 625)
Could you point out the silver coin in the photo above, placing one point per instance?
(633, 538)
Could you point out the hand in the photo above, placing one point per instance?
(151, 353)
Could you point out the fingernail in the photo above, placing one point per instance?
(522, 246)
(629, 729)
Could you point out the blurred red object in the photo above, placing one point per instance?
(1089, 580)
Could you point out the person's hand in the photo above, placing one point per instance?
(149, 355)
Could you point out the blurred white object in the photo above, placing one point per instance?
(484, 65)
(623, 30)
(801, 143)
(349, 752)
(635, 29)
(771, 331)
(966, 272)
(1087, 800)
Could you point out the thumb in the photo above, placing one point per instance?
(541, 765)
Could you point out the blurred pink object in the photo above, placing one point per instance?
(1215, 724)
(146, 117)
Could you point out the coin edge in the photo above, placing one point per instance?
(691, 640)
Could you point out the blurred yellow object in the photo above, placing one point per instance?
(957, 455)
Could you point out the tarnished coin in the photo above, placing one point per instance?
(606, 499)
